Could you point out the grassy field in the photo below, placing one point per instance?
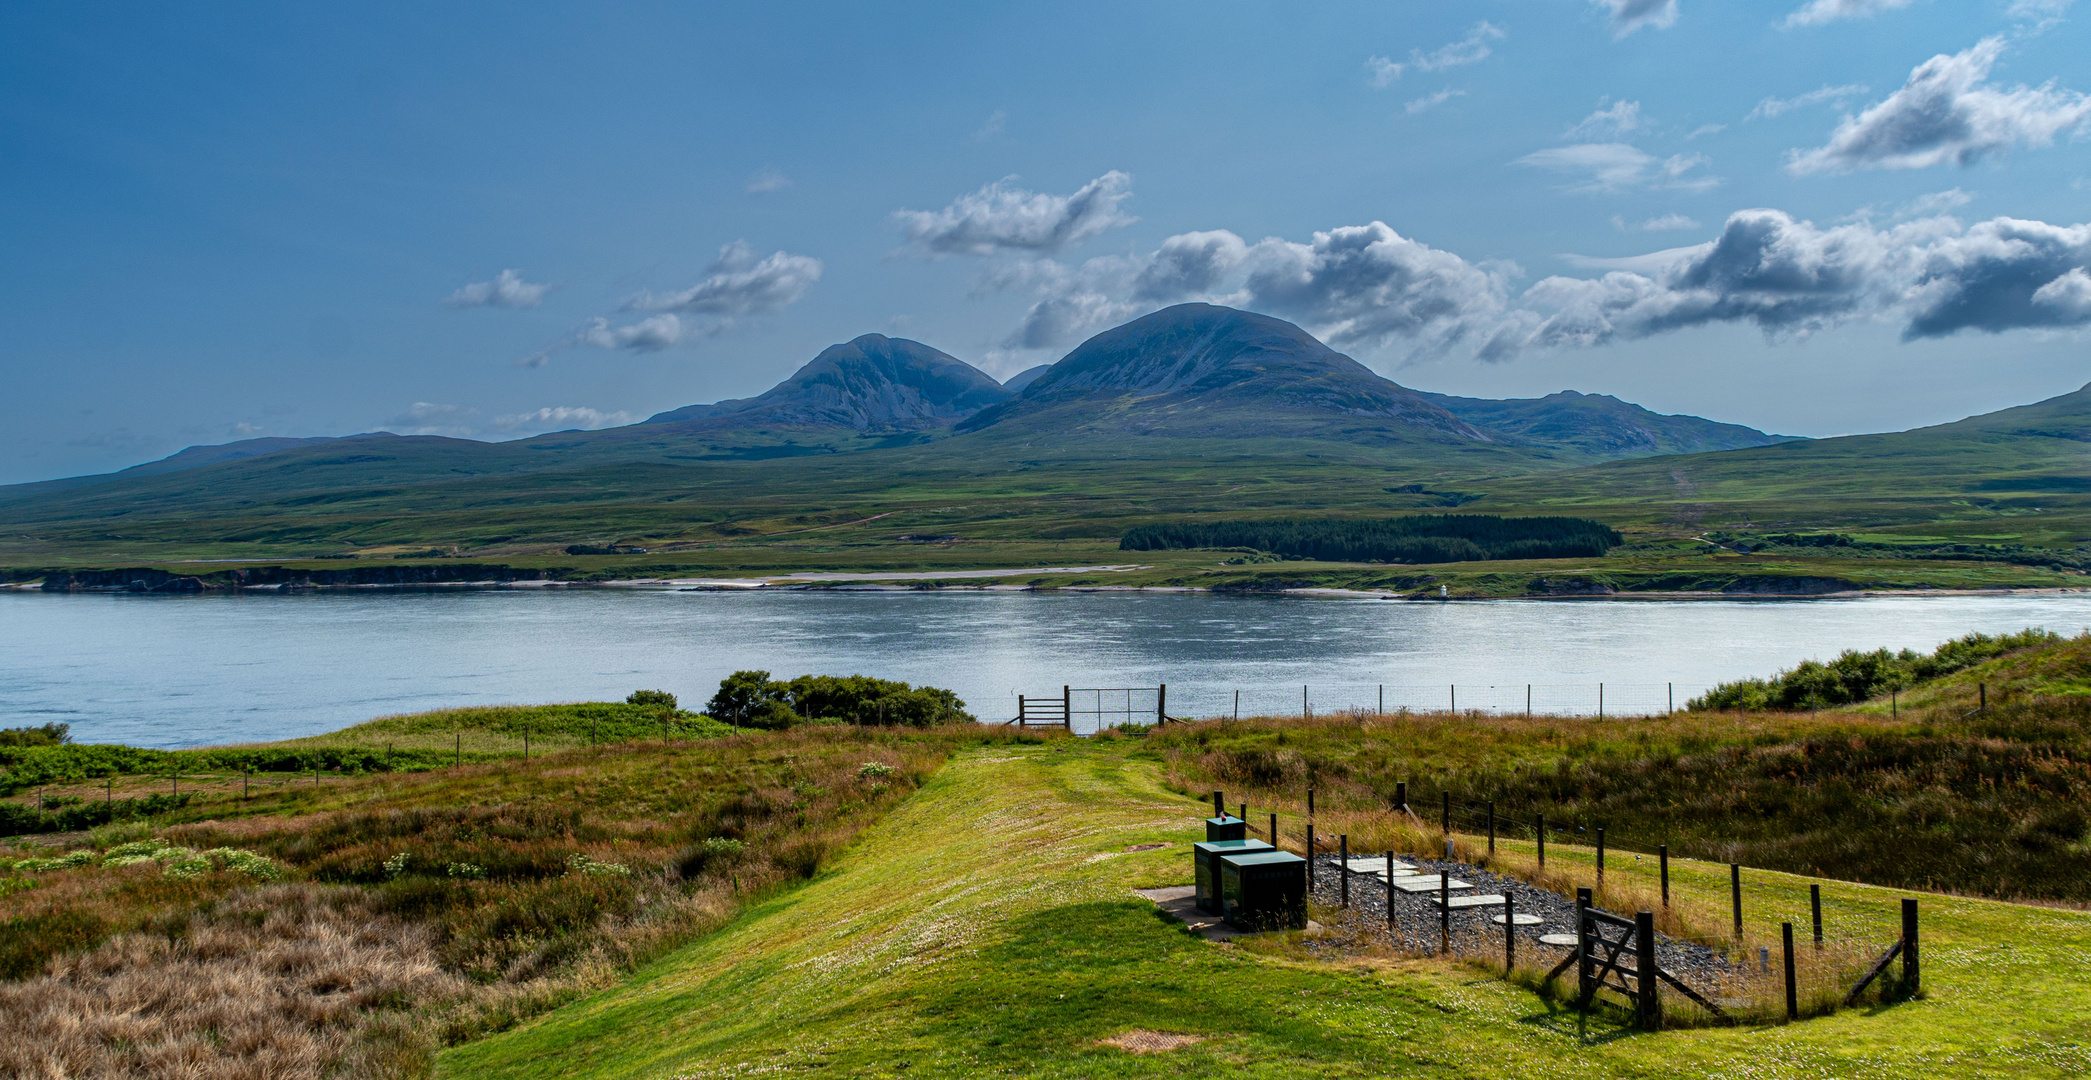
(986, 928)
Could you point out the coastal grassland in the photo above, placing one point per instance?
(1930, 793)
(986, 928)
(381, 916)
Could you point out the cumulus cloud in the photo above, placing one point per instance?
(1004, 218)
(1628, 16)
(1471, 49)
(1431, 101)
(1817, 12)
(1792, 277)
(1618, 119)
(1771, 106)
(651, 334)
(507, 290)
(764, 181)
(562, 418)
(1189, 264)
(739, 283)
(1935, 203)
(1614, 167)
(1947, 113)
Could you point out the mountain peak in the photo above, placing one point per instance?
(868, 382)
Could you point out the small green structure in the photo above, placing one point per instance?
(1225, 827)
(1206, 858)
(1264, 890)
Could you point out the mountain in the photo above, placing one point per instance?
(1021, 379)
(870, 383)
(1599, 425)
(1215, 372)
(195, 457)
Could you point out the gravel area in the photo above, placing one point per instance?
(1415, 923)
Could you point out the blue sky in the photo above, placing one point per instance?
(491, 220)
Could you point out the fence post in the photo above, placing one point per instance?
(1600, 701)
(1509, 932)
(1446, 798)
(1343, 867)
(1600, 856)
(1274, 834)
(1735, 896)
(1911, 971)
(1815, 909)
(1983, 690)
(1539, 827)
(1582, 944)
(1067, 711)
(1390, 890)
(1245, 818)
(1662, 862)
(1401, 795)
(459, 750)
(1648, 1007)
(1444, 910)
(1306, 710)
(1237, 705)
(1670, 692)
(1382, 700)
(1492, 826)
(1528, 701)
(1161, 703)
(1311, 847)
(1454, 689)
(1793, 1000)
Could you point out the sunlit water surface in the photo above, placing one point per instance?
(189, 670)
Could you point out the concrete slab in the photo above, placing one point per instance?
(1522, 919)
(1181, 902)
(1425, 883)
(1377, 866)
(1564, 940)
(1457, 902)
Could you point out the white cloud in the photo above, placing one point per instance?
(993, 126)
(1947, 113)
(1817, 12)
(1771, 106)
(1791, 277)
(1938, 202)
(1705, 129)
(1613, 167)
(765, 180)
(1471, 49)
(562, 418)
(1190, 264)
(1001, 217)
(1619, 119)
(2045, 15)
(1665, 223)
(738, 283)
(507, 290)
(1628, 16)
(1431, 101)
(651, 334)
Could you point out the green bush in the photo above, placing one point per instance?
(52, 734)
(754, 700)
(652, 698)
(1861, 676)
(1419, 538)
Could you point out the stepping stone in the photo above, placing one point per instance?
(1522, 919)
(1376, 865)
(1425, 883)
(1568, 940)
(1457, 902)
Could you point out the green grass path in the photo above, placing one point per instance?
(985, 928)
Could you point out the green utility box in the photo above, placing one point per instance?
(1264, 890)
(1225, 828)
(1206, 858)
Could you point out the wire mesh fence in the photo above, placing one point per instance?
(1593, 698)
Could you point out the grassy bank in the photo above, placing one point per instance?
(986, 928)
(353, 926)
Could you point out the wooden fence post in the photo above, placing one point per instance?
(1067, 712)
(1444, 910)
(1648, 1007)
(1161, 703)
(1390, 889)
(1600, 856)
(1528, 701)
(1735, 896)
(1815, 909)
(1662, 862)
(1793, 1000)
(1539, 828)
(1401, 795)
(1582, 944)
(1274, 833)
(1343, 868)
(1912, 973)
(1509, 932)
(1600, 701)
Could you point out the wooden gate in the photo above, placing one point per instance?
(1602, 941)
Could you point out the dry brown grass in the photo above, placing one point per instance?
(284, 980)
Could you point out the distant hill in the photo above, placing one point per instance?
(1599, 425)
(1024, 378)
(1216, 372)
(870, 383)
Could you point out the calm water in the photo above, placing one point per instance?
(189, 670)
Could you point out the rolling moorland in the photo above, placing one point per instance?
(886, 455)
(652, 894)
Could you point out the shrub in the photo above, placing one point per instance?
(1861, 676)
(653, 698)
(582, 864)
(874, 769)
(751, 699)
(52, 734)
(1421, 538)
